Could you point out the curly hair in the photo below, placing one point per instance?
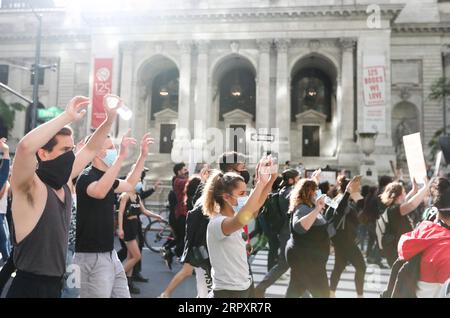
(440, 192)
(391, 193)
(301, 194)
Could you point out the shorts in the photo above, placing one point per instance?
(131, 229)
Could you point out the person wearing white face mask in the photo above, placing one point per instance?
(102, 274)
(223, 201)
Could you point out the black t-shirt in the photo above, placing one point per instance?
(95, 218)
(400, 224)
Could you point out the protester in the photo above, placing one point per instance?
(42, 199)
(345, 240)
(130, 230)
(102, 273)
(432, 241)
(223, 195)
(398, 206)
(290, 178)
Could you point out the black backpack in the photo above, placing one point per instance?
(404, 278)
(271, 213)
(195, 247)
(384, 231)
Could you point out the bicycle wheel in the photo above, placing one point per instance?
(156, 234)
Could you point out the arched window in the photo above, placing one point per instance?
(165, 91)
(237, 91)
(311, 90)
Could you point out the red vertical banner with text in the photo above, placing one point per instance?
(374, 89)
(102, 86)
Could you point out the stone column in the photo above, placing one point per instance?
(347, 94)
(263, 85)
(184, 107)
(182, 143)
(127, 87)
(283, 107)
(201, 101)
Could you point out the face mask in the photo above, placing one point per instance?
(56, 172)
(138, 187)
(241, 201)
(246, 175)
(110, 157)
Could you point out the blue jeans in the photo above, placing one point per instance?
(5, 247)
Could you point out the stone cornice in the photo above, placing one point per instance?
(45, 37)
(421, 28)
(240, 14)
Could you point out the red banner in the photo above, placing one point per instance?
(102, 86)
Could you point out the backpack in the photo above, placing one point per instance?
(271, 213)
(195, 247)
(384, 231)
(403, 279)
(333, 222)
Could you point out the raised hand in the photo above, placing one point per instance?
(265, 169)
(204, 174)
(3, 145)
(157, 184)
(145, 143)
(316, 175)
(111, 112)
(76, 108)
(125, 143)
(320, 202)
(354, 185)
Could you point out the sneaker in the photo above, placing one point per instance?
(168, 258)
(163, 295)
(139, 278)
(133, 289)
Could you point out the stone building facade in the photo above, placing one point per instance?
(296, 65)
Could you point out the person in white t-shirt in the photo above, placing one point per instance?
(223, 195)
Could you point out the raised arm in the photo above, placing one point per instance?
(303, 224)
(413, 191)
(24, 165)
(129, 183)
(95, 143)
(251, 208)
(100, 188)
(415, 200)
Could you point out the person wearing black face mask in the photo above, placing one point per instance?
(42, 200)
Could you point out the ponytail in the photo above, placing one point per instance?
(217, 185)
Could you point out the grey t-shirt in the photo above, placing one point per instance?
(304, 210)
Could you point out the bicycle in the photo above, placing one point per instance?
(156, 234)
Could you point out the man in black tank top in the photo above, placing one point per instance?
(42, 200)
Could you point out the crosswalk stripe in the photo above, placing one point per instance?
(376, 279)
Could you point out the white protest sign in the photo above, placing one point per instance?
(438, 163)
(414, 157)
